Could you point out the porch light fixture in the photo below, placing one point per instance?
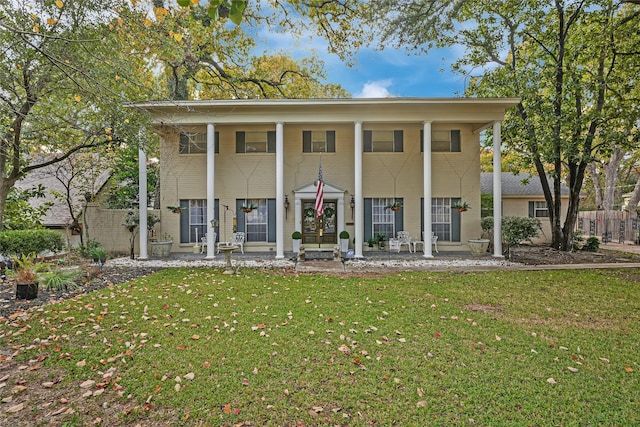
(352, 204)
(214, 223)
(286, 205)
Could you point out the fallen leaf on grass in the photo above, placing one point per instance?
(628, 368)
(421, 404)
(226, 409)
(551, 381)
(16, 408)
(572, 369)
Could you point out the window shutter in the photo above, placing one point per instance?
(216, 215)
(306, 141)
(368, 219)
(240, 146)
(271, 141)
(532, 209)
(216, 142)
(331, 141)
(240, 214)
(368, 141)
(398, 218)
(455, 222)
(455, 141)
(422, 140)
(271, 215)
(184, 222)
(398, 141)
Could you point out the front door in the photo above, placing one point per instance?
(322, 229)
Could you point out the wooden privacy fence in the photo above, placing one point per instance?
(610, 226)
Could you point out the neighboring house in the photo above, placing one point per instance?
(229, 153)
(522, 196)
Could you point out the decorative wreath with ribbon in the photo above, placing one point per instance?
(309, 212)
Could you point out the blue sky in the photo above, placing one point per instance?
(378, 74)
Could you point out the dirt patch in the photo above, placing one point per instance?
(482, 307)
(544, 255)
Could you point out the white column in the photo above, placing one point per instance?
(211, 194)
(279, 191)
(142, 194)
(497, 192)
(426, 184)
(359, 210)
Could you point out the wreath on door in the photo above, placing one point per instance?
(309, 212)
(329, 212)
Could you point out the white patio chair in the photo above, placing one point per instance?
(394, 244)
(237, 239)
(434, 242)
(405, 239)
(204, 241)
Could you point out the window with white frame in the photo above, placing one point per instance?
(256, 142)
(441, 217)
(197, 219)
(442, 141)
(383, 141)
(540, 209)
(196, 142)
(257, 221)
(318, 141)
(383, 219)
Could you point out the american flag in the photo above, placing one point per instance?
(320, 194)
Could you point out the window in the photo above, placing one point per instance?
(383, 219)
(257, 221)
(383, 141)
(442, 141)
(193, 221)
(441, 218)
(538, 209)
(256, 142)
(196, 142)
(318, 141)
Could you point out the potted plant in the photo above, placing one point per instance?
(99, 255)
(396, 205)
(297, 239)
(371, 241)
(380, 239)
(248, 207)
(27, 268)
(461, 206)
(344, 241)
(176, 208)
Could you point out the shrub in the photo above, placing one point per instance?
(85, 250)
(21, 242)
(515, 229)
(60, 280)
(296, 235)
(344, 234)
(592, 245)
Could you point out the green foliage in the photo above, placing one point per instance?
(28, 268)
(20, 242)
(124, 191)
(60, 280)
(592, 244)
(296, 235)
(85, 250)
(98, 253)
(515, 229)
(20, 213)
(344, 234)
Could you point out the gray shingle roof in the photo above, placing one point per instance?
(520, 184)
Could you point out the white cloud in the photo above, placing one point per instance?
(375, 89)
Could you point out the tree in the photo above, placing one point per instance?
(64, 77)
(572, 64)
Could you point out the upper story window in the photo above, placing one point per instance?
(318, 141)
(256, 142)
(196, 142)
(442, 141)
(383, 141)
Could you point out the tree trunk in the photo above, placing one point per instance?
(597, 188)
(611, 178)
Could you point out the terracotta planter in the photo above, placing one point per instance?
(26, 290)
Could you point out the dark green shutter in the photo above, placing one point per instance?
(455, 221)
(422, 140)
(331, 141)
(271, 215)
(306, 141)
(368, 141)
(240, 214)
(398, 218)
(532, 209)
(216, 215)
(271, 141)
(455, 141)
(398, 141)
(368, 219)
(240, 145)
(184, 222)
(421, 218)
(216, 142)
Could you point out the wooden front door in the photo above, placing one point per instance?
(327, 223)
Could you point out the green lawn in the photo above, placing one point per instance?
(195, 347)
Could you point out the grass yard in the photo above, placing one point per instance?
(195, 347)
